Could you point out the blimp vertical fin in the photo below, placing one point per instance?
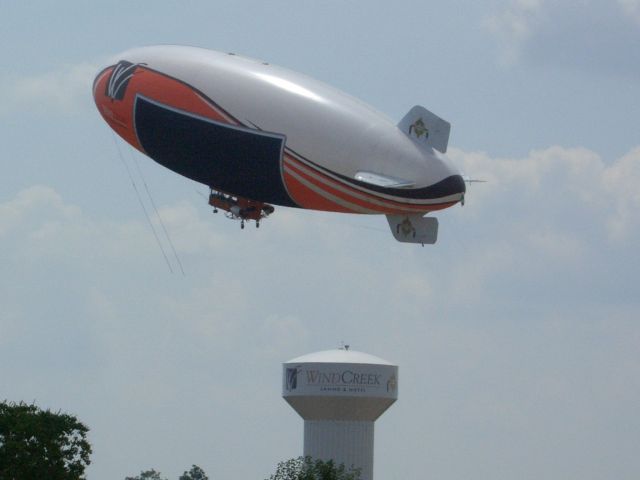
(426, 127)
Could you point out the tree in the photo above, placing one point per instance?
(37, 443)
(196, 473)
(308, 469)
(147, 475)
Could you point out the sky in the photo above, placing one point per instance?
(517, 335)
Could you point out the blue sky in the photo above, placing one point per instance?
(517, 335)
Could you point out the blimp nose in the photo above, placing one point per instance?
(452, 182)
(452, 187)
(114, 102)
(458, 184)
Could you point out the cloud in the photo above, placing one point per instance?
(590, 35)
(526, 307)
(620, 181)
(555, 210)
(559, 187)
(558, 208)
(513, 26)
(631, 8)
(64, 90)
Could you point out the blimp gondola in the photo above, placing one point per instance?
(259, 135)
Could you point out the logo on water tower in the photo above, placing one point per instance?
(292, 378)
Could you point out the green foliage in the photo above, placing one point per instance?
(196, 473)
(309, 469)
(40, 444)
(288, 470)
(147, 475)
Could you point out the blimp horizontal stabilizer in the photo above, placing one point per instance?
(414, 228)
(426, 127)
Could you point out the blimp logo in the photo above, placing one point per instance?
(419, 129)
(119, 79)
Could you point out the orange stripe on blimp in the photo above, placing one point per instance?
(307, 198)
(313, 189)
(155, 86)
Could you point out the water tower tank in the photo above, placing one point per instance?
(339, 394)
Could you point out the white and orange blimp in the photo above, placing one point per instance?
(257, 135)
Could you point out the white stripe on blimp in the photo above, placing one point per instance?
(325, 194)
(360, 196)
(378, 195)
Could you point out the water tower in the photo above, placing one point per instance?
(339, 394)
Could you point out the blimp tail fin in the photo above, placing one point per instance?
(414, 228)
(423, 126)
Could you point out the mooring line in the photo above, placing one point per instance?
(144, 209)
(153, 203)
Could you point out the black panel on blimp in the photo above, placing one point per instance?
(236, 161)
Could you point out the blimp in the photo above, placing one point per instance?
(260, 136)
